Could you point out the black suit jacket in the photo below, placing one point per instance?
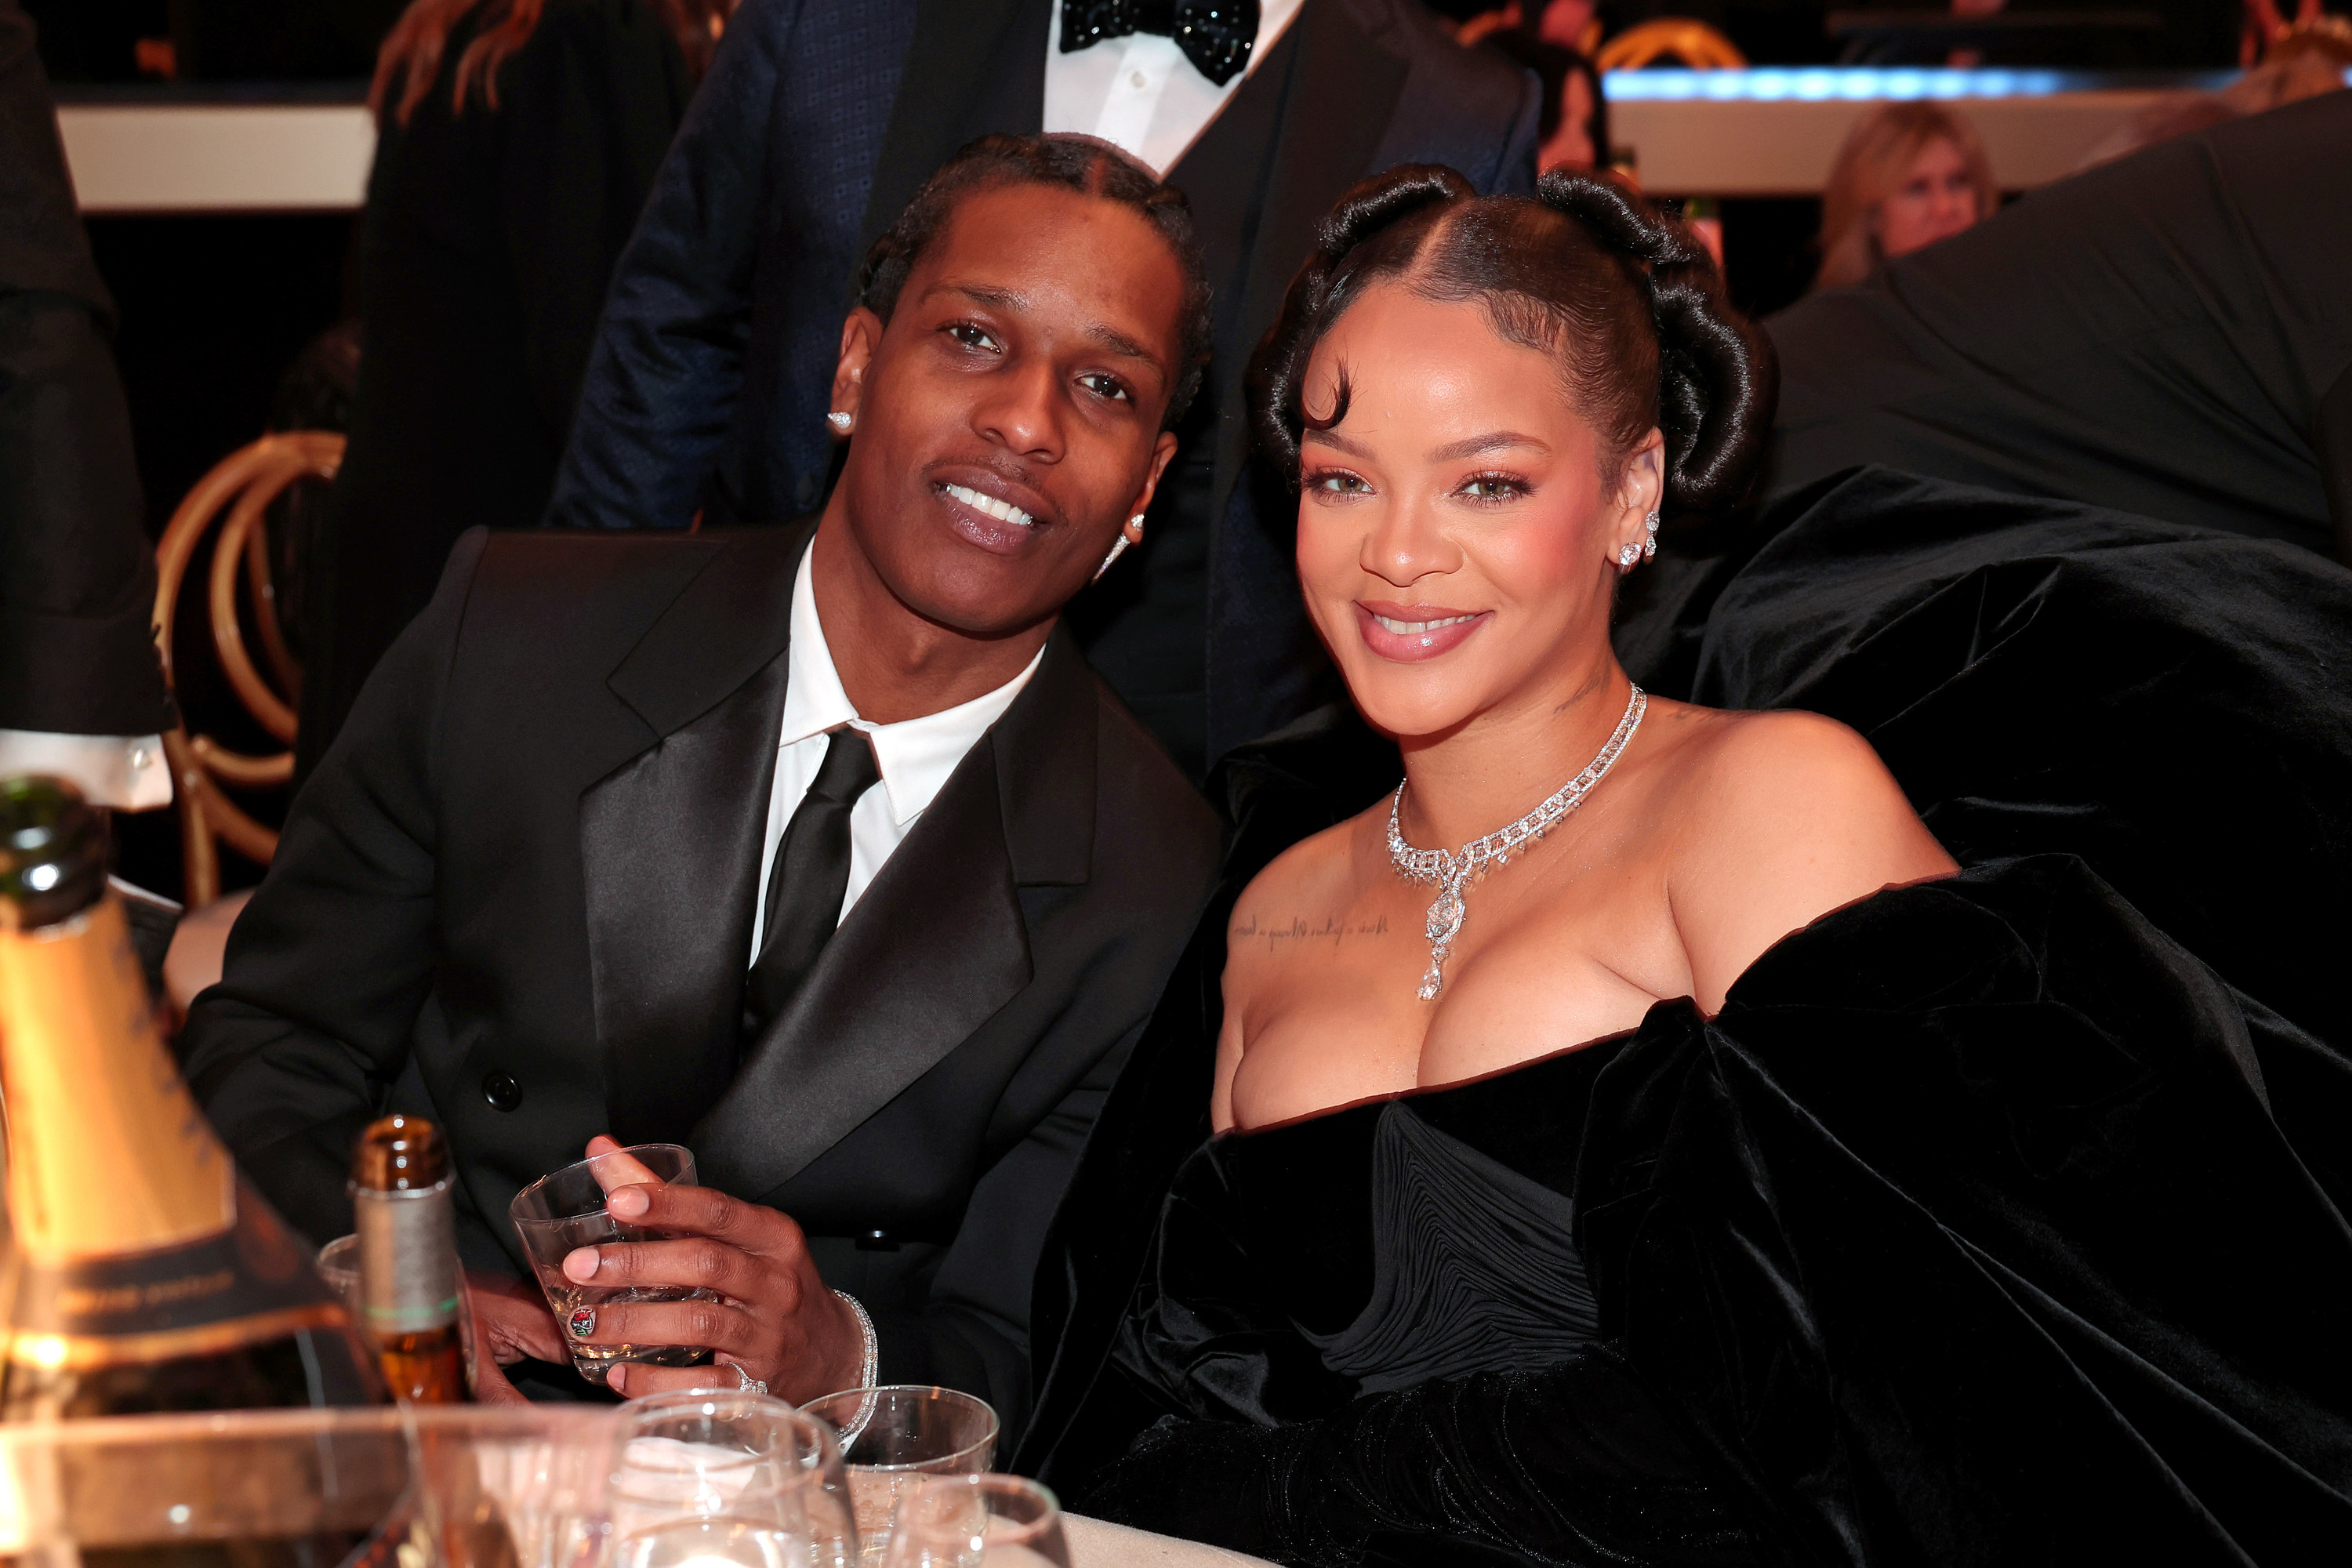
(517, 897)
(819, 122)
(2168, 335)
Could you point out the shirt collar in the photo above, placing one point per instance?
(915, 755)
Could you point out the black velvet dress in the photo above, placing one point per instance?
(1999, 1220)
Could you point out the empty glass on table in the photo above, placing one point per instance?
(719, 1479)
(891, 1438)
(977, 1522)
(565, 1210)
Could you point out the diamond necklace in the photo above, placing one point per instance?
(1451, 873)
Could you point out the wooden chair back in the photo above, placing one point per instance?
(235, 495)
(1683, 39)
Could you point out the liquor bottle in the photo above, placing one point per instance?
(142, 1273)
(408, 1258)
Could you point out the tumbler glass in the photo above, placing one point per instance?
(718, 1479)
(565, 1210)
(891, 1438)
(511, 1485)
(977, 1522)
(709, 1446)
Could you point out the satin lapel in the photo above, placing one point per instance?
(670, 840)
(973, 67)
(1343, 89)
(932, 949)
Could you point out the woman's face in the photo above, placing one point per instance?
(1935, 202)
(1456, 543)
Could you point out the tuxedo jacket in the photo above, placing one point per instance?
(516, 898)
(820, 120)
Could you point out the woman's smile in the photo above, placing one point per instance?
(1410, 632)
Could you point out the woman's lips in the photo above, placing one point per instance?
(1410, 632)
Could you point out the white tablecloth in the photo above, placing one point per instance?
(1096, 1545)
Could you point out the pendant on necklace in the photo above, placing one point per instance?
(1453, 871)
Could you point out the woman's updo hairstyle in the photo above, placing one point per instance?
(1625, 298)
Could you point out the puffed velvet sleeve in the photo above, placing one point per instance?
(1964, 1234)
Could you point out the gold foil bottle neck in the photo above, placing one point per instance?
(108, 1153)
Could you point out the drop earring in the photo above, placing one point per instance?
(1118, 546)
(840, 421)
(1650, 544)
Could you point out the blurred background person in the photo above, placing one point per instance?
(1909, 174)
(82, 692)
(517, 141)
(1575, 124)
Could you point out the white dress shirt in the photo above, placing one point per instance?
(1139, 93)
(125, 771)
(915, 755)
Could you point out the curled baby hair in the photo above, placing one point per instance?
(1625, 297)
(1073, 163)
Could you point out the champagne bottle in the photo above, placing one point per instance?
(408, 1258)
(142, 1273)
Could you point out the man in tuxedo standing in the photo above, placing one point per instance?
(817, 849)
(705, 395)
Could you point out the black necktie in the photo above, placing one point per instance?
(1216, 36)
(809, 879)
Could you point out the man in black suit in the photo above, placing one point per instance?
(706, 392)
(2169, 334)
(576, 866)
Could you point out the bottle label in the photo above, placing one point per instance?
(253, 1283)
(408, 1258)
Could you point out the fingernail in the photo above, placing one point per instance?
(628, 1203)
(616, 1378)
(580, 1264)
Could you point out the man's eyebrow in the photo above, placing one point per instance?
(1492, 441)
(982, 294)
(1118, 342)
(1012, 300)
(1333, 438)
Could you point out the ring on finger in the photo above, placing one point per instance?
(745, 1382)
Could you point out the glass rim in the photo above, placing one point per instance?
(991, 1483)
(928, 1391)
(576, 1164)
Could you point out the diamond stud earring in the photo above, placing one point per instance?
(840, 421)
(1627, 557)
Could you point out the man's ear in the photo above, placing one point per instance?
(1162, 452)
(861, 337)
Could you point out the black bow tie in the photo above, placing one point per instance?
(1216, 36)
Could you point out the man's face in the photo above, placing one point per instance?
(1008, 418)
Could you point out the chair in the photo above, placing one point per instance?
(238, 491)
(1683, 39)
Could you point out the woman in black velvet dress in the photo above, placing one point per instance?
(1725, 1175)
(515, 142)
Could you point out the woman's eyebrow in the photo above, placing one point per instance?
(1492, 441)
(1333, 438)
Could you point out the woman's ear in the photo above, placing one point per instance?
(1641, 495)
(861, 335)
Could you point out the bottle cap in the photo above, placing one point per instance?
(52, 852)
(400, 1154)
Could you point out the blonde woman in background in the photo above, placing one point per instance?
(1909, 174)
